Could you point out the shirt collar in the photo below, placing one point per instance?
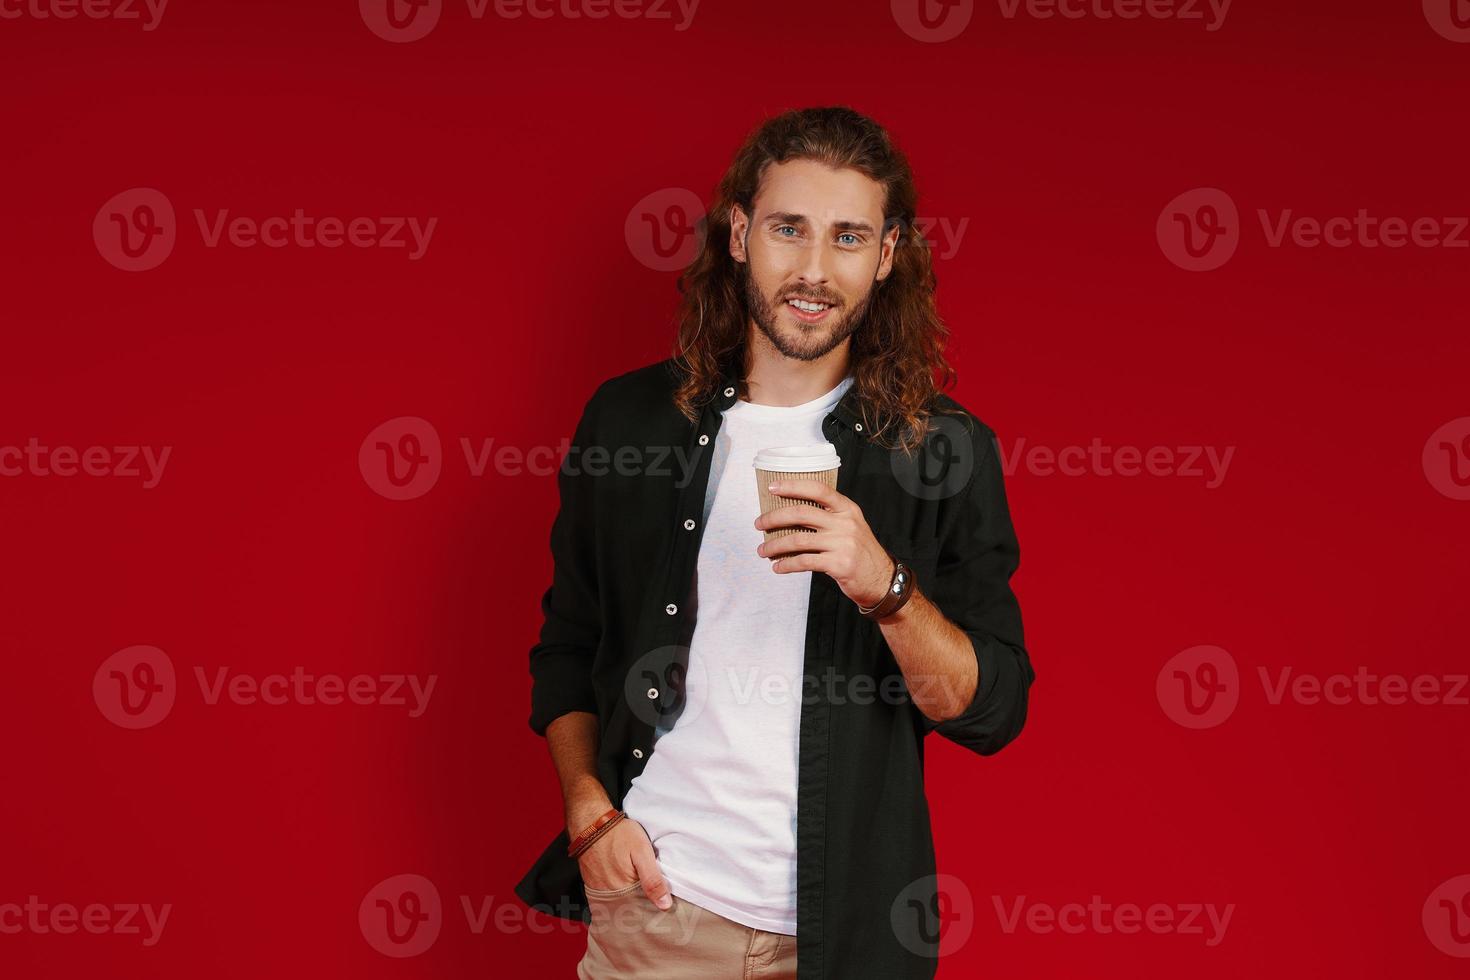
(847, 416)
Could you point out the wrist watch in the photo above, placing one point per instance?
(899, 591)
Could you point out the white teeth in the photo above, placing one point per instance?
(803, 305)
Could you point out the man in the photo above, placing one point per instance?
(738, 724)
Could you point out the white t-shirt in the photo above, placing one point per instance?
(718, 794)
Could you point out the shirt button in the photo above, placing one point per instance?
(729, 392)
(689, 524)
(653, 694)
(704, 440)
(637, 753)
(671, 609)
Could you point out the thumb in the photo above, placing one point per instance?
(649, 875)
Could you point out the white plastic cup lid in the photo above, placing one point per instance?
(798, 459)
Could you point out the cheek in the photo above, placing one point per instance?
(772, 266)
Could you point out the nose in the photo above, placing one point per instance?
(816, 267)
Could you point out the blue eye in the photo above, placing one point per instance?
(848, 234)
(784, 228)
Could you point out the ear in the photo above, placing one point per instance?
(890, 246)
(739, 225)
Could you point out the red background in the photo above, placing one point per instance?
(263, 549)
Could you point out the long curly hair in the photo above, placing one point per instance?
(896, 353)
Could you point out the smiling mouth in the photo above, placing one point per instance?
(808, 311)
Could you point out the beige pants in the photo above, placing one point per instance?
(630, 938)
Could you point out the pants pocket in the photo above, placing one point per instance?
(615, 892)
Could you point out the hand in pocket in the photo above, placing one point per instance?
(623, 857)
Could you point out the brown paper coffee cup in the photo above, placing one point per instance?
(792, 463)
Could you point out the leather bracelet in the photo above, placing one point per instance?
(599, 827)
(601, 832)
(900, 590)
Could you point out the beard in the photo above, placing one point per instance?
(803, 341)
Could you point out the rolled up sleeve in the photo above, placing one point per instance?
(561, 661)
(977, 557)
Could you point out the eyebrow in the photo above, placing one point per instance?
(792, 218)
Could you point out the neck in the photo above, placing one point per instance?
(781, 381)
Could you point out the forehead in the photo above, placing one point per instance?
(820, 192)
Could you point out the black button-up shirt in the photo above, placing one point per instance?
(620, 613)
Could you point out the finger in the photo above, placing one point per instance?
(799, 563)
(795, 515)
(808, 490)
(792, 544)
(655, 886)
